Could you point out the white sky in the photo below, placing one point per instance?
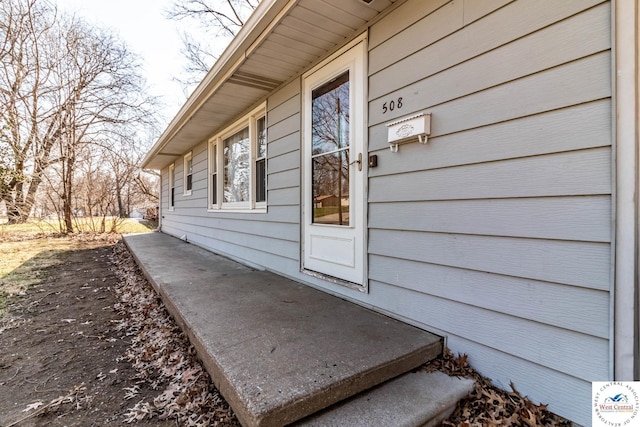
(141, 24)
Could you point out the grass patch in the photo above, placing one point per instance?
(24, 263)
(133, 226)
(329, 210)
(27, 250)
(81, 225)
(29, 228)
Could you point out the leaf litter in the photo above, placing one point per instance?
(162, 356)
(488, 405)
(166, 363)
(77, 396)
(60, 334)
(165, 360)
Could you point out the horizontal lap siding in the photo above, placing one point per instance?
(568, 307)
(581, 264)
(580, 172)
(268, 239)
(497, 232)
(571, 128)
(552, 385)
(516, 336)
(554, 217)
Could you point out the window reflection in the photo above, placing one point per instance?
(237, 168)
(330, 152)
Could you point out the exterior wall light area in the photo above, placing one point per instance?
(408, 129)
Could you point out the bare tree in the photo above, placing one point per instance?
(8, 173)
(24, 76)
(65, 88)
(148, 185)
(220, 20)
(105, 186)
(100, 80)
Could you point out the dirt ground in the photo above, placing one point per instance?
(59, 345)
(85, 341)
(66, 341)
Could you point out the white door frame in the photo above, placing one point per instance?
(338, 253)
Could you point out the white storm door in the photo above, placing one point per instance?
(334, 169)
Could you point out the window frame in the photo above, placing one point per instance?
(187, 173)
(216, 165)
(172, 187)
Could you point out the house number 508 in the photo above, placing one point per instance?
(392, 105)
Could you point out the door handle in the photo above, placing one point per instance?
(358, 161)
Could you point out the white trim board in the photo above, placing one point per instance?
(626, 86)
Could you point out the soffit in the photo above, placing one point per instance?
(285, 39)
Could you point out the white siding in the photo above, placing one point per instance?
(497, 233)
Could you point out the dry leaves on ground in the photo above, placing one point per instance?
(487, 405)
(76, 396)
(165, 360)
(163, 357)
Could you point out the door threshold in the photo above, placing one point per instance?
(337, 281)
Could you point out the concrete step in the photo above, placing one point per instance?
(412, 400)
(277, 350)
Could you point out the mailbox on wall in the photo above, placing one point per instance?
(409, 129)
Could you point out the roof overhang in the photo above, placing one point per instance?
(280, 40)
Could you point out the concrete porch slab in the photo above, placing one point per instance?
(415, 399)
(277, 350)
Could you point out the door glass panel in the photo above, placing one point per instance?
(330, 176)
(330, 152)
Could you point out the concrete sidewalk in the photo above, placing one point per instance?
(277, 350)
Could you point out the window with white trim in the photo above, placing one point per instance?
(188, 173)
(172, 187)
(237, 165)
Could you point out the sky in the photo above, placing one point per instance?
(142, 25)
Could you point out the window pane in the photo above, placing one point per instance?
(330, 116)
(237, 171)
(331, 188)
(214, 173)
(189, 171)
(172, 186)
(261, 187)
(214, 189)
(262, 137)
(214, 158)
